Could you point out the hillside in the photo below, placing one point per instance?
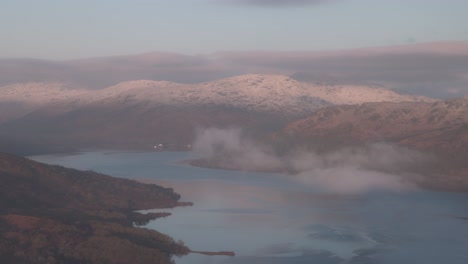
(439, 129)
(19, 99)
(439, 126)
(50, 214)
(424, 143)
(140, 114)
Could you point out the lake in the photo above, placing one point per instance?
(273, 218)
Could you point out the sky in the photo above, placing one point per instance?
(68, 29)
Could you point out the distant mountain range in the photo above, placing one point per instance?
(144, 113)
(436, 69)
(260, 93)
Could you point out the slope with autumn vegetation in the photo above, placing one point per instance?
(51, 214)
(438, 128)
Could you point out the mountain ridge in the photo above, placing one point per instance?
(256, 92)
(143, 113)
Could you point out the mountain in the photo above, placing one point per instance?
(145, 113)
(19, 99)
(438, 128)
(418, 68)
(260, 93)
(51, 214)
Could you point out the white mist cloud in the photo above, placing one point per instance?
(359, 169)
(351, 180)
(230, 149)
(376, 156)
(349, 170)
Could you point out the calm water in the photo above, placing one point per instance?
(272, 218)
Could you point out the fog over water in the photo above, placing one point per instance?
(279, 218)
(346, 170)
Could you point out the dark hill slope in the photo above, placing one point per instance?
(51, 214)
(128, 126)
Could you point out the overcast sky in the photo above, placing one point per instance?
(65, 29)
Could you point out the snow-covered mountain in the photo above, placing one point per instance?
(254, 92)
(142, 113)
(20, 99)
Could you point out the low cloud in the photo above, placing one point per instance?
(436, 70)
(229, 148)
(346, 171)
(352, 179)
(430, 72)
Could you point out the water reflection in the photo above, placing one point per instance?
(271, 218)
(264, 222)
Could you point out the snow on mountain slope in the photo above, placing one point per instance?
(17, 100)
(262, 93)
(130, 87)
(363, 94)
(252, 92)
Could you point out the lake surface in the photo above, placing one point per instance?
(272, 218)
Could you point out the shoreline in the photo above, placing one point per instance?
(440, 184)
(434, 185)
(431, 184)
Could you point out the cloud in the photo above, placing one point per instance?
(278, 3)
(351, 180)
(377, 166)
(346, 171)
(437, 70)
(229, 148)
(432, 70)
(349, 170)
(102, 72)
